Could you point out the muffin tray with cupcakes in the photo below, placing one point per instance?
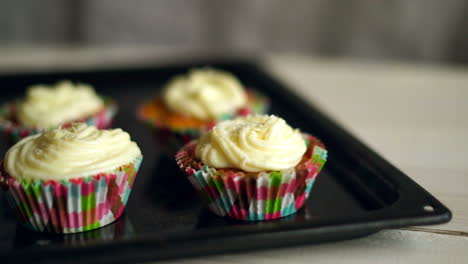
(233, 161)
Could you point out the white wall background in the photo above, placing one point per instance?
(421, 30)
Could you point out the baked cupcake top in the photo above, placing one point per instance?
(49, 106)
(205, 94)
(252, 144)
(67, 153)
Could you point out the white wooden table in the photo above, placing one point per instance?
(416, 116)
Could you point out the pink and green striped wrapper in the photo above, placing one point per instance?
(71, 206)
(15, 131)
(254, 196)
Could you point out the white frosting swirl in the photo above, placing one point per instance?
(50, 106)
(205, 94)
(252, 144)
(67, 153)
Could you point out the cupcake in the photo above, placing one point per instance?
(193, 103)
(72, 179)
(253, 168)
(46, 107)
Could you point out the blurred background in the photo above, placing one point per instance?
(431, 31)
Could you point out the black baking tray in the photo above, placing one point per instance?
(358, 193)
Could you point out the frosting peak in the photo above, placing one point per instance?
(205, 94)
(252, 144)
(73, 152)
(49, 106)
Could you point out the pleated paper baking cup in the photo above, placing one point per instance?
(15, 131)
(254, 196)
(71, 206)
(172, 137)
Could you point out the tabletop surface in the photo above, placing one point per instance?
(412, 115)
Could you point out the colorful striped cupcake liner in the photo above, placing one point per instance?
(15, 131)
(71, 206)
(254, 196)
(171, 140)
